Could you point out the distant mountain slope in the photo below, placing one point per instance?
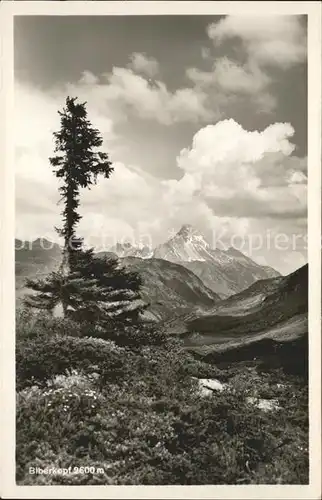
(240, 304)
(289, 298)
(225, 272)
(280, 316)
(285, 346)
(34, 259)
(249, 299)
(171, 289)
(129, 250)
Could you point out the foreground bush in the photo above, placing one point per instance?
(134, 336)
(140, 437)
(137, 413)
(39, 360)
(31, 325)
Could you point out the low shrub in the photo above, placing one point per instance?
(139, 438)
(136, 411)
(40, 359)
(31, 324)
(133, 335)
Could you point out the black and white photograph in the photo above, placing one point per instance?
(161, 249)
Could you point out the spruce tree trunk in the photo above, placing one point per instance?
(65, 265)
(61, 307)
(70, 214)
(65, 306)
(68, 233)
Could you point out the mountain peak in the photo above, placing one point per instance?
(190, 233)
(187, 245)
(186, 230)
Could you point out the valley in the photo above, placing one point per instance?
(197, 353)
(258, 319)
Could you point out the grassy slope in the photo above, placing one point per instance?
(279, 317)
(289, 298)
(228, 279)
(171, 288)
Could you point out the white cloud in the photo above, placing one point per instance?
(234, 180)
(140, 63)
(264, 102)
(205, 53)
(297, 177)
(227, 172)
(234, 77)
(123, 92)
(135, 90)
(154, 101)
(226, 143)
(231, 77)
(231, 168)
(36, 189)
(88, 78)
(229, 82)
(277, 40)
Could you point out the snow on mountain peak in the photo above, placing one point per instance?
(128, 250)
(186, 230)
(187, 245)
(189, 233)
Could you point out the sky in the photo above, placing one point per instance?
(203, 117)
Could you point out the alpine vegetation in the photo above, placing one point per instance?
(160, 251)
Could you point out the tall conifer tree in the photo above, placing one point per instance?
(78, 164)
(86, 287)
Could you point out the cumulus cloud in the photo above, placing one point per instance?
(234, 77)
(230, 82)
(228, 174)
(244, 173)
(142, 64)
(233, 180)
(136, 90)
(297, 177)
(268, 40)
(205, 53)
(210, 94)
(231, 76)
(36, 189)
(123, 92)
(226, 143)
